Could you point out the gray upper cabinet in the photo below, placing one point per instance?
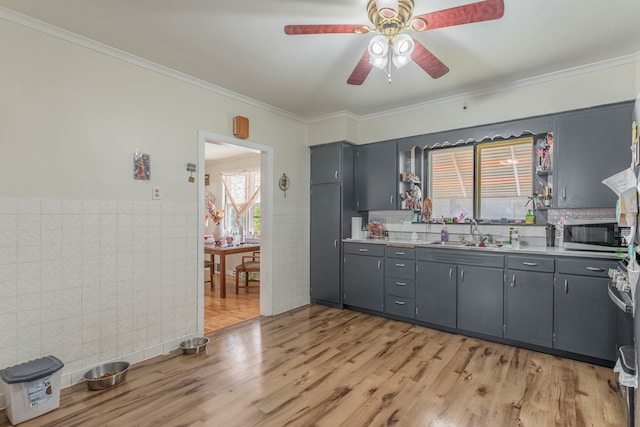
(326, 164)
(376, 176)
(591, 145)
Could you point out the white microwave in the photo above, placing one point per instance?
(594, 235)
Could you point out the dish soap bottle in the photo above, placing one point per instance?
(515, 239)
(444, 234)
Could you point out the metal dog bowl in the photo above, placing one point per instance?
(106, 375)
(194, 345)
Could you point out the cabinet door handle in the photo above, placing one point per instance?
(335, 243)
(564, 193)
(450, 273)
(530, 264)
(513, 281)
(399, 265)
(566, 286)
(379, 264)
(364, 250)
(401, 284)
(599, 270)
(336, 175)
(391, 200)
(400, 253)
(400, 302)
(462, 275)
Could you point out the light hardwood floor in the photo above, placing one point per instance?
(317, 366)
(235, 308)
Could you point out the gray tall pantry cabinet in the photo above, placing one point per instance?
(331, 212)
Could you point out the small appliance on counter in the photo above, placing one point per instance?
(601, 234)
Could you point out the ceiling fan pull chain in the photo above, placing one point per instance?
(390, 51)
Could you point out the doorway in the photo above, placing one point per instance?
(223, 154)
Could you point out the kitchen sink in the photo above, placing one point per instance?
(462, 243)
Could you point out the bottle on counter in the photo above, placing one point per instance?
(444, 234)
(515, 238)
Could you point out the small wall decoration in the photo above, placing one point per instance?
(241, 127)
(191, 168)
(206, 179)
(141, 166)
(284, 183)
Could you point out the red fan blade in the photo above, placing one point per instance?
(295, 30)
(427, 61)
(361, 71)
(474, 12)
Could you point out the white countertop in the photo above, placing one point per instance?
(506, 250)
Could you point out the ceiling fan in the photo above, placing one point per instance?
(390, 18)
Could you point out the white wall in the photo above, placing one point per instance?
(91, 269)
(580, 88)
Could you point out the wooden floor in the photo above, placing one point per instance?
(235, 308)
(317, 366)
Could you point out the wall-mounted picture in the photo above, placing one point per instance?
(206, 179)
(141, 166)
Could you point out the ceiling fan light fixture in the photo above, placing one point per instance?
(378, 51)
(402, 49)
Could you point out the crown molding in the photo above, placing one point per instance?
(79, 40)
(556, 75)
(169, 72)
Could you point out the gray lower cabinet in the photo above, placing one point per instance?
(528, 313)
(399, 281)
(480, 300)
(584, 316)
(478, 296)
(363, 272)
(436, 293)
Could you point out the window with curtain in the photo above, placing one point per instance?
(451, 181)
(242, 186)
(504, 183)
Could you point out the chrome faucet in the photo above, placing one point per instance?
(473, 229)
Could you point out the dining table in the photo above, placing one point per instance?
(222, 251)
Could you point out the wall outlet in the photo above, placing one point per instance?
(156, 194)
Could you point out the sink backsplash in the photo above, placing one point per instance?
(400, 227)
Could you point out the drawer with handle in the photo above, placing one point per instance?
(585, 266)
(400, 287)
(400, 268)
(399, 306)
(370, 249)
(545, 265)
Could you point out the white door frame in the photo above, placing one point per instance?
(266, 220)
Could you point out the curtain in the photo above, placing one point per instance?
(247, 205)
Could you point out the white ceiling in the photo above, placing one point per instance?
(241, 46)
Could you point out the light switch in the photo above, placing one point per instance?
(156, 194)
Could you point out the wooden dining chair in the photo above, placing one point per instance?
(250, 264)
(211, 265)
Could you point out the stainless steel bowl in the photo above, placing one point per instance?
(106, 375)
(194, 345)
